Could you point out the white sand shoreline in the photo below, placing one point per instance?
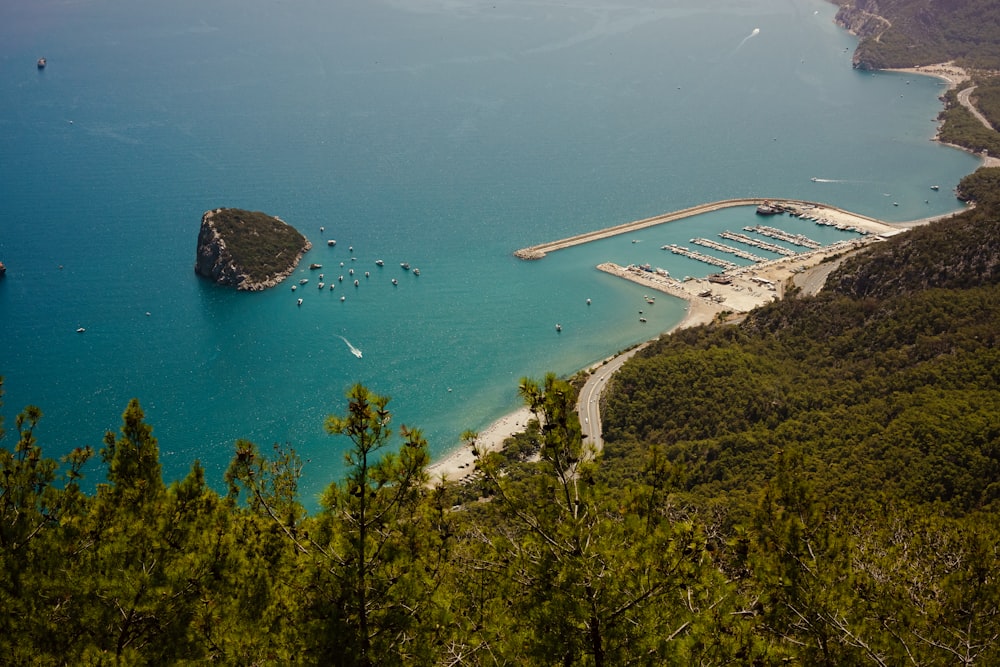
(461, 463)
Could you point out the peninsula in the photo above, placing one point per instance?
(248, 250)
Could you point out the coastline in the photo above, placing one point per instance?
(954, 76)
(460, 463)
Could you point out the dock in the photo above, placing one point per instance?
(722, 247)
(800, 240)
(701, 257)
(757, 243)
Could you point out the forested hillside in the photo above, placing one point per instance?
(906, 33)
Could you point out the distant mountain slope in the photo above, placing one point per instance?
(907, 33)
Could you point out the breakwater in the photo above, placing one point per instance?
(795, 207)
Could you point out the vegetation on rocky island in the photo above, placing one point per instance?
(262, 246)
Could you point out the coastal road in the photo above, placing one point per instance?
(588, 405)
(965, 100)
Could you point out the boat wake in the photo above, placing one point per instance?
(754, 33)
(355, 351)
(827, 180)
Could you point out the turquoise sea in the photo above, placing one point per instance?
(443, 133)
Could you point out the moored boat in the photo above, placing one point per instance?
(41, 63)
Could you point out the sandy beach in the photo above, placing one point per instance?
(461, 463)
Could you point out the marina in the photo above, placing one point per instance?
(797, 208)
(738, 289)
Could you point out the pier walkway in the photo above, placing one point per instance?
(539, 251)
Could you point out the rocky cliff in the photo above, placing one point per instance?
(861, 19)
(248, 250)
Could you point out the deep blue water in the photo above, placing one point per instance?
(445, 134)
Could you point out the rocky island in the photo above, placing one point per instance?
(248, 250)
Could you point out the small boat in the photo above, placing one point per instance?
(313, 267)
(322, 285)
(350, 248)
(367, 275)
(642, 319)
(895, 203)
(379, 262)
(340, 279)
(333, 286)
(3, 270)
(300, 302)
(588, 302)
(558, 327)
(41, 63)
(351, 272)
(356, 283)
(814, 179)
(395, 282)
(303, 281)
(935, 187)
(331, 242)
(322, 229)
(80, 330)
(342, 299)
(294, 287)
(321, 276)
(416, 272)
(405, 266)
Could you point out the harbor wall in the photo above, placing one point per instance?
(539, 251)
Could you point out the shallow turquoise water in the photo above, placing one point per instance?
(442, 134)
